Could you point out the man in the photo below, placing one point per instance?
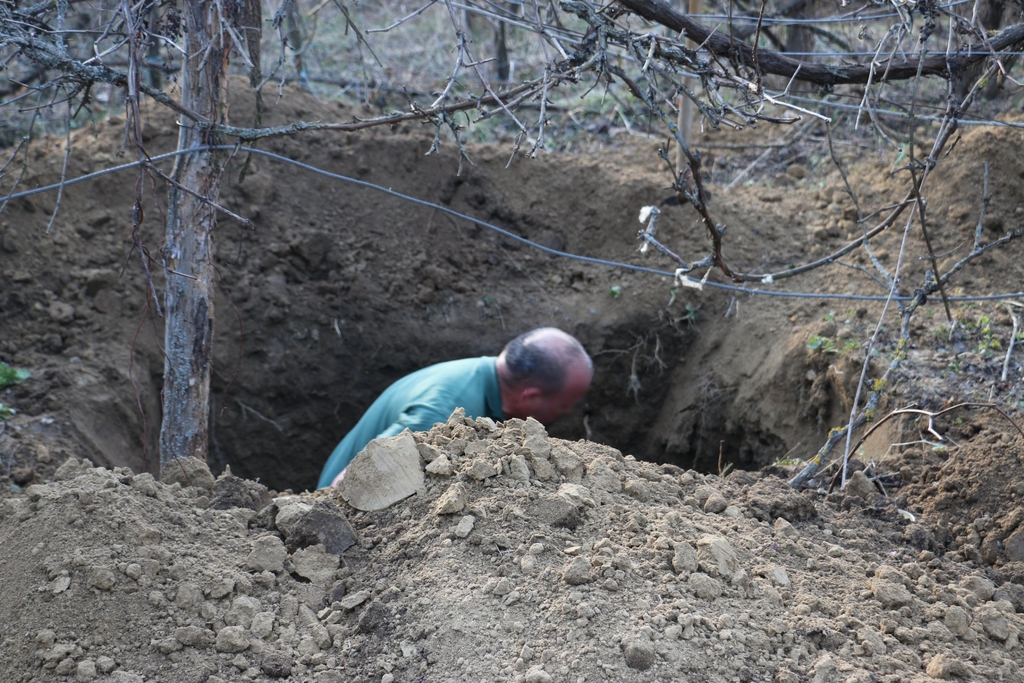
(542, 374)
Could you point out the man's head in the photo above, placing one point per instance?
(543, 374)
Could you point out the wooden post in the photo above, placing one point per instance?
(685, 119)
(188, 250)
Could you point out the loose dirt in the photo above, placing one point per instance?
(523, 558)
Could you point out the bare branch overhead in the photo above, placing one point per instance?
(771, 62)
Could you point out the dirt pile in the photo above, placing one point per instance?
(523, 558)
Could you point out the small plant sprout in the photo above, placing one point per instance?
(10, 376)
(824, 344)
(615, 292)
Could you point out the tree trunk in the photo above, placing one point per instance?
(188, 249)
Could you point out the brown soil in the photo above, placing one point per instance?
(339, 291)
(556, 561)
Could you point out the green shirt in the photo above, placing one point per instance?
(419, 400)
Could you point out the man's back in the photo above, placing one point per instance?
(419, 400)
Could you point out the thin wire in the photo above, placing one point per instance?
(906, 56)
(901, 115)
(494, 228)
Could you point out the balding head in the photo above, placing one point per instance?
(544, 374)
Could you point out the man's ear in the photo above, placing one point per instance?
(529, 394)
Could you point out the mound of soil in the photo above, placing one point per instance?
(523, 558)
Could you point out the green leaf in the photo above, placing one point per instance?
(10, 376)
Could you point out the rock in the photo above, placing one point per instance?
(946, 666)
(61, 312)
(188, 472)
(732, 512)
(993, 622)
(957, 620)
(577, 494)
(518, 469)
(307, 617)
(600, 476)
(230, 492)
(102, 578)
(145, 484)
(872, 642)
(451, 501)
(125, 677)
(232, 639)
(715, 503)
(483, 468)
(637, 489)
(190, 596)
(716, 555)
(919, 536)
(268, 554)
(537, 447)
(537, 674)
(262, 624)
(824, 668)
(315, 564)
(1011, 593)
(980, 586)
(859, 486)
(276, 664)
(195, 636)
(704, 587)
(544, 470)
(684, 558)
(890, 594)
(335, 676)
(105, 664)
(85, 671)
(779, 577)
(784, 529)
(166, 645)
(568, 464)
(220, 588)
(69, 469)
(1013, 546)
(577, 572)
(323, 523)
(441, 466)
(639, 653)
(385, 472)
(353, 600)
(556, 511)
(465, 526)
(373, 617)
(770, 498)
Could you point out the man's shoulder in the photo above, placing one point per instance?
(460, 367)
(462, 370)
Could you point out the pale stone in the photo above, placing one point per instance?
(385, 472)
(451, 501)
(315, 564)
(268, 554)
